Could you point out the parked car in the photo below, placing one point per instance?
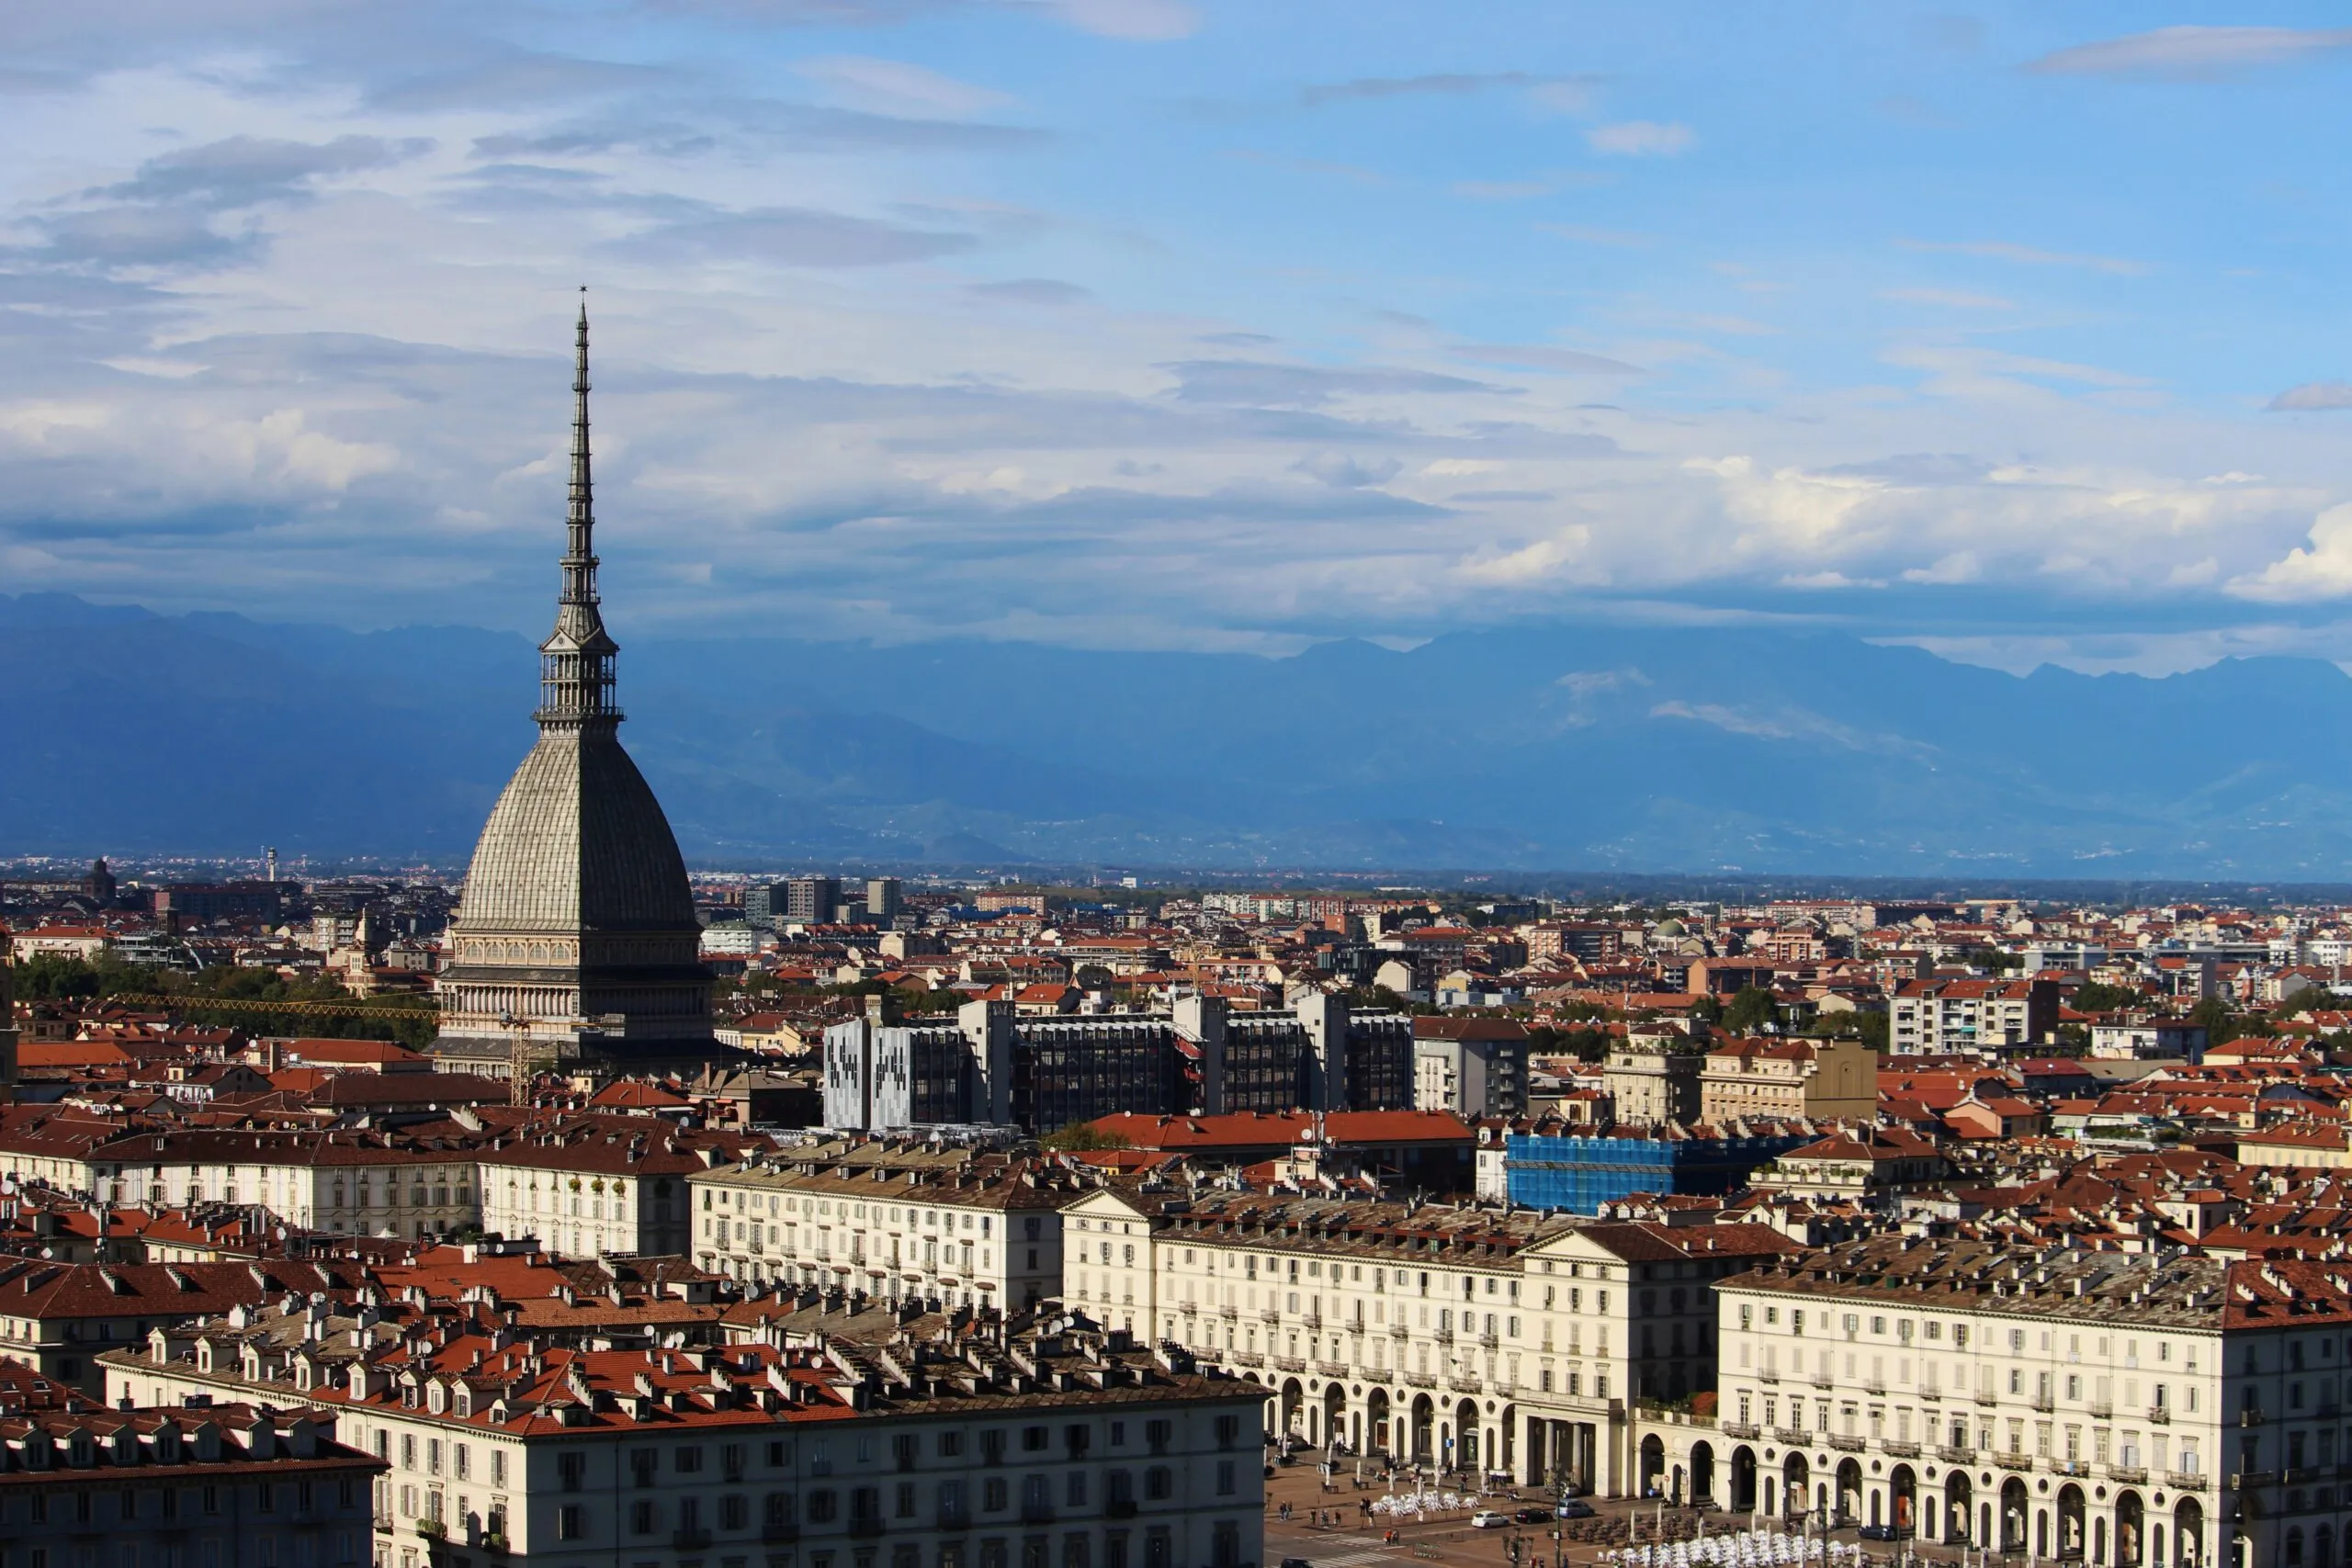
(1572, 1509)
(1296, 1562)
(1489, 1520)
(1532, 1516)
(1878, 1533)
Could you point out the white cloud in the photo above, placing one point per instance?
(894, 84)
(1951, 298)
(2192, 53)
(1642, 139)
(2314, 397)
(1961, 565)
(1145, 21)
(2027, 256)
(2323, 570)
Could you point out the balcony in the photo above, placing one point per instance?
(1312, 1319)
(1268, 1315)
(2128, 1474)
(1821, 1380)
(2300, 1476)
(1465, 1383)
(2070, 1466)
(2186, 1480)
(2160, 1413)
(774, 1534)
(2044, 1404)
(1849, 1441)
(1902, 1447)
(1244, 1357)
(2101, 1409)
(957, 1517)
(2249, 1480)
(430, 1528)
(1769, 1374)
(1489, 1339)
(1420, 1379)
(1228, 1313)
(1401, 1330)
(2014, 1461)
(2250, 1417)
(495, 1545)
(865, 1525)
(1444, 1335)
(1119, 1509)
(1742, 1431)
(1987, 1396)
(1332, 1369)
(696, 1539)
(1795, 1437)
(1291, 1363)
(1955, 1453)
(1037, 1513)
(1874, 1386)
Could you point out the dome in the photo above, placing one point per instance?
(577, 844)
(1670, 927)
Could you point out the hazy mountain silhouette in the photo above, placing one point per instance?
(1570, 747)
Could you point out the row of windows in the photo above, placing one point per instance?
(132, 1504)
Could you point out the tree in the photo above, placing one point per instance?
(1750, 1010)
(1707, 1010)
(2092, 997)
(1081, 1135)
(2310, 998)
(2222, 1025)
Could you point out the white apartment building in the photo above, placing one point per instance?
(2143, 1411)
(1473, 1338)
(1936, 1017)
(1056, 1449)
(590, 1191)
(987, 1235)
(349, 1183)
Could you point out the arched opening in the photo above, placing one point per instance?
(2131, 1530)
(1796, 1477)
(1335, 1416)
(1743, 1479)
(1293, 1399)
(1958, 1495)
(1702, 1475)
(2189, 1534)
(2013, 1515)
(2294, 1546)
(1849, 1494)
(1903, 1495)
(1377, 1423)
(1653, 1466)
(2322, 1546)
(1424, 1425)
(2070, 1524)
(1466, 1426)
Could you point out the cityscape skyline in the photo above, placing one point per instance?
(1136, 323)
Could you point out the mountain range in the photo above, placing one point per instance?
(1571, 747)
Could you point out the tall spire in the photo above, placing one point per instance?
(576, 660)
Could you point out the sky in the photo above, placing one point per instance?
(2015, 332)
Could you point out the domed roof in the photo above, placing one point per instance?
(577, 842)
(1670, 927)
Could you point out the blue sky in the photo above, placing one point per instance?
(2017, 331)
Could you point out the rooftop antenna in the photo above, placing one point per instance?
(269, 862)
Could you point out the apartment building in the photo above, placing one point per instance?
(1787, 1080)
(353, 1183)
(58, 1317)
(607, 1185)
(212, 1486)
(1933, 1016)
(1471, 1066)
(984, 1236)
(2145, 1409)
(1062, 1447)
(1473, 1339)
